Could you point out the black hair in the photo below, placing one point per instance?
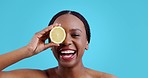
(78, 15)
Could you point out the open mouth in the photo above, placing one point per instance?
(67, 55)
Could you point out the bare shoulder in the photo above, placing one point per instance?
(23, 73)
(105, 75)
(98, 74)
(51, 72)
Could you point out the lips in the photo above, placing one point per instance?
(67, 55)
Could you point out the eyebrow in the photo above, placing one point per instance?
(76, 30)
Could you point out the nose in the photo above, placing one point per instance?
(67, 41)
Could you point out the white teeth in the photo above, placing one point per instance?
(68, 51)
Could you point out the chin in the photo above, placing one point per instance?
(68, 64)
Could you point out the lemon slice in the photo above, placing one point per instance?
(57, 34)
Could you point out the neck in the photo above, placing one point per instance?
(71, 72)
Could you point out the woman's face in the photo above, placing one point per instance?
(70, 52)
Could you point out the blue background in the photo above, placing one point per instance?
(119, 42)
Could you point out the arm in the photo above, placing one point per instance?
(36, 45)
(13, 57)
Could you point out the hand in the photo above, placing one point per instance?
(37, 44)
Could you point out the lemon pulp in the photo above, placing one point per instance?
(57, 34)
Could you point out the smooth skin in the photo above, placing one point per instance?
(76, 40)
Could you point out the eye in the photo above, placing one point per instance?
(75, 35)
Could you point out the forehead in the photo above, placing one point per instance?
(69, 20)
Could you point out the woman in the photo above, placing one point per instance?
(68, 54)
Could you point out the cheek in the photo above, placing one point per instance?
(81, 50)
(81, 44)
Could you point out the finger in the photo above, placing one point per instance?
(47, 29)
(50, 27)
(44, 37)
(56, 24)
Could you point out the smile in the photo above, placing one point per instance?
(68, 52)
(67, 55)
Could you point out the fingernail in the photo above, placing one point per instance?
(59, 24)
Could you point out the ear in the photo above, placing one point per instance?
(86, 46)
